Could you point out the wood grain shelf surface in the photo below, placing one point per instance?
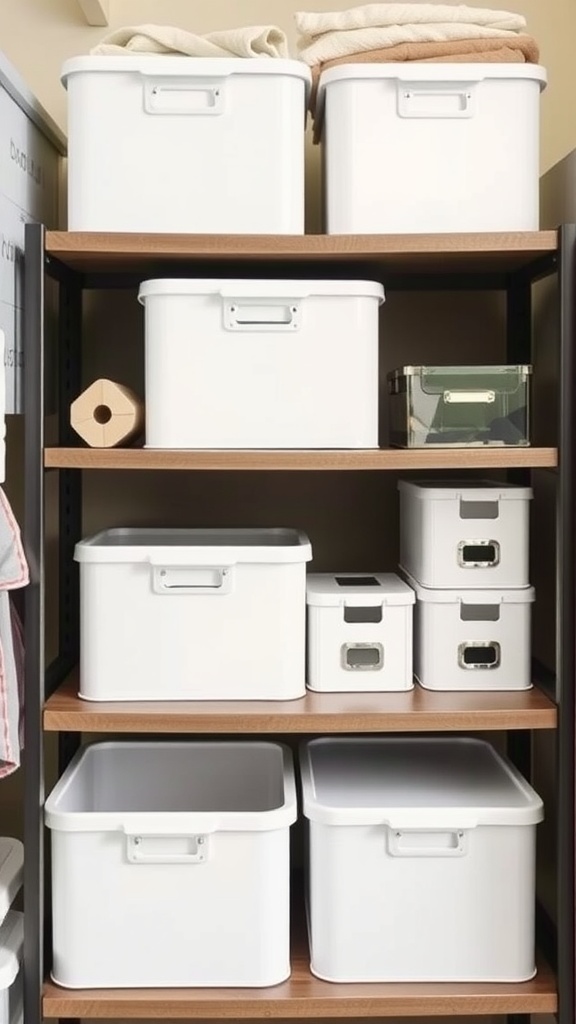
(398, 459)
(416, 711)
(304, 996)
(426, 253)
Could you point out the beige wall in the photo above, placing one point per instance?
(38, 35)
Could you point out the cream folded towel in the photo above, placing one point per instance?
(336, 44)
(384, 15)
(252, 41)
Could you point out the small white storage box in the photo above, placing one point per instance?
(457, 535)
(193, 614)
(473, 639)
(474, 127)
(11, 972)
(421, 861)
(359, 632)
(261, 364)
(185, 144)
(170, 865)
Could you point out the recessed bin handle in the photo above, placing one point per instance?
(434, 99)
(282, 314)
(185, 580)
(145, 849)
(427, 842)
(469, 397)
(172, 95)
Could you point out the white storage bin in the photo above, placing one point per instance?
(359, 632)
(456, 535)
(185, 144)
(421, 861)
(11, 872)
(193, 614)
(473, 639)
(170, 865)
(473, 127)
(11, 972)
(261, 364)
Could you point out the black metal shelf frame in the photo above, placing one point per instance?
(41, 681)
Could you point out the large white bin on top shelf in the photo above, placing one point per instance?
(193, 614)
(261, 364)
(186, 144)
(170, 865)
(421, 861)
(420, 147)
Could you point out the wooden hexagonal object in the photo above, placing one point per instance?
(107, 414)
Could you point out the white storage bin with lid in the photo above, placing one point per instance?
(261, 364)
(11, 968)
(359, 632)
(473, 127)
(421, 861)
(456, 535)
(193, 614)
(184, 144)
(473, 639)
(170, 865)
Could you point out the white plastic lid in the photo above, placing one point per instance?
(430, 595)
(11, 946)
(180, 66)
(195, 547)
(11, 869)
(255, 289)
(460, 490)
(357, 590)
(419, 783)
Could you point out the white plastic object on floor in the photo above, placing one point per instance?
(170, 865)
(421, 861)
(473, 639)
(359, 632)
(193, 614)
(457, 535)
(11, 872)
(412, 147)
(182, 144)
(11, 969)
(261, 364)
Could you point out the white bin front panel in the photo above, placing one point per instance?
(432, 530)
(379, 917)
(481, 169)
(329, 633)
(224, 922)
(315, 386)
(247, 644)
(440, 633)
(240, 170)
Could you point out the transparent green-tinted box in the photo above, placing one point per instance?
(456, 406)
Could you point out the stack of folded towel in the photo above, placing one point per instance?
(251, 41)
(413, 32)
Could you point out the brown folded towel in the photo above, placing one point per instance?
(521, 49)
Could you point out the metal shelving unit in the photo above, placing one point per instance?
(511, 263)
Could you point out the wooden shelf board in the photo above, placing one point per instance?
(439, 253)
(373, 459)
(304, 996)
(416, 711)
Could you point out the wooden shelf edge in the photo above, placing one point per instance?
(394, 459)
(416, 711)
(306, 997)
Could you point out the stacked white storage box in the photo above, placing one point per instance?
(421, 861)
(31, 147)
(261, 364)
(464, 549)
(475, 128)
(184, 144)
(359, 632)
(11, 933)
(193, 614)
(171, 865)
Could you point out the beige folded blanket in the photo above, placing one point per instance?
(521, 49)
(384, 15)
(252, 41)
